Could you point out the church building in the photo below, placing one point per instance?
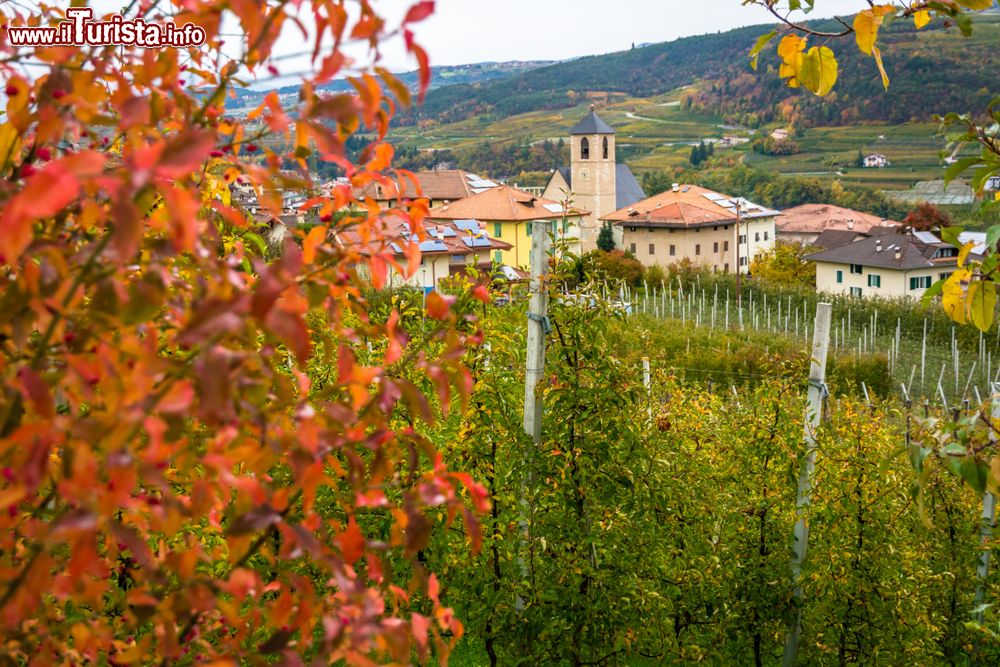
(594, 181)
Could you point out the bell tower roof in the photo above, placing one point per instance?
(592, 124)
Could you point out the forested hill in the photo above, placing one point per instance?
(924, 67)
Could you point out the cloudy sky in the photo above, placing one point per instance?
(468, 31)
(463, 31)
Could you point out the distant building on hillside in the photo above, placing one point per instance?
(509, 215)
(438, 186)
(780, 134)
(804, 224)
(693, 223)
(594, 180)
(875, 160)
(992, 184)
(889, 265)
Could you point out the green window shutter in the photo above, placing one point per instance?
(497, 230)
(527, 228)
(840, 276)
(498, 257)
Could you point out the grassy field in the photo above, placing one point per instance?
(656, 133)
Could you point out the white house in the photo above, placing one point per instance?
(992, 183)
(876, 160)
(888, 265)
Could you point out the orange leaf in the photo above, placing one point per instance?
(351, 542)
(313, 239)
(419, 11)
(438, 305)
(185, 153)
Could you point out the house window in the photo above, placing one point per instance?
(946, 252)
(874, 280)
(652, 249)
(944, 276)
(715, 228)
(527, 228)
(765, 236)
(857, 269)
(632, 248)
(725, 246)
(584, 149)
(605, 149)
(457, 259)
(840, 277)
(673, 250)
(715, 247)
(922, 282)
(697, 248)
(743, 261)
(743, 239)
(726, 269)
(855, 291)
(497, 230)
(631, 229)
(756, 237)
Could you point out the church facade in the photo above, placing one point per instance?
(594, 181)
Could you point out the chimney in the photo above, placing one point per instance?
(899, 254)
(440, 233)
(850, 225)
(677, 187)
(878, 245)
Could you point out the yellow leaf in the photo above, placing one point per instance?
(790, 50)
(819, 70)
(963, 254)
(881, 68)
(953, 296)
(982, 304)
(921, 18)
(866, 25)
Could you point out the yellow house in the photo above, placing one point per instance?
(509, 215)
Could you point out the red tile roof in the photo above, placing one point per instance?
(502, 204)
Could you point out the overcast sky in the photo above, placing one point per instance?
(470, 31)
(464, 31)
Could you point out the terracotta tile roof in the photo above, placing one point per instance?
(447, 184)
(816, 218)
(501, 204)
(442, 238)
(686, 206)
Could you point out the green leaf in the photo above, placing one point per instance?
(974, 473)
(950, 236)
(762, 41)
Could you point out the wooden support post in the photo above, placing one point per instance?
(814, 416)
(987, 525)
(538, 325)
(647, 382)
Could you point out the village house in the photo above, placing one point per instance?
(693, 223)
(992, 184)
(450, 248)
(875, 160)
(780, 134)
(438, 186)
(804, 224)
(893, 265)
(509, 214)
(594, 181)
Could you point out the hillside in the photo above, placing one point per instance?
(923, 66)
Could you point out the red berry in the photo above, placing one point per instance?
(44, 154)
(8, 474)
(273, 70)
(216, 153)
(58, 93)
(27, 170)
(326, 217)
(251, 148)
(11, 90)
(105, 141)
(182, 68)
(69, 337)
